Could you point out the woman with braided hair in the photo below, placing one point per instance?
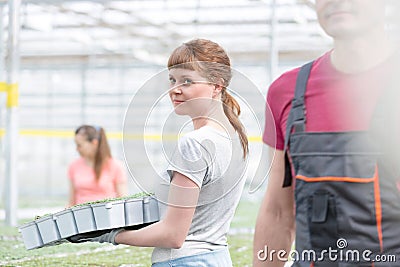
(205, 173)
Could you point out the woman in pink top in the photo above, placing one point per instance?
(95, 175)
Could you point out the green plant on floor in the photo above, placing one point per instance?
(137, 195)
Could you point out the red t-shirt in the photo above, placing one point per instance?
(335, 101)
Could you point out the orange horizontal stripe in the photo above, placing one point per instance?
(335, 179)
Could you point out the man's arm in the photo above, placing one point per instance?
(275, 226)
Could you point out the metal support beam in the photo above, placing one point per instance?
(11, 143)
(273, 48)
(83, 95)
(2, 99)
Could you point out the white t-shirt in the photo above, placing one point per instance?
(214, 161)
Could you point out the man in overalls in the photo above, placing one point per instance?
(334, 180)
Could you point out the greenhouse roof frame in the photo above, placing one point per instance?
(139, 31)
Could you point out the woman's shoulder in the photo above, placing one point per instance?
(196, 137)
(193, 142)
(204, 132)
(77, 163)
(204, 139)
(114, 163)
(189, 139)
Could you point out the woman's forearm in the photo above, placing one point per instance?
(155, 235)
(172, 230)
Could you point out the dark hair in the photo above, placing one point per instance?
(103, 152)
(212, 62)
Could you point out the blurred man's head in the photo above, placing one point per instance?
(348, 19)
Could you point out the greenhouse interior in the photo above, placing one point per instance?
(68, 63)
(104, 63)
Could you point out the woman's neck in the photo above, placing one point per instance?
(215, 119)
(89, 161)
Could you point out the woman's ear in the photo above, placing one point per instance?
(217, 90)
(95, 142)
(218, 87)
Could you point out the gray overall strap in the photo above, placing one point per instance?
(297, 115)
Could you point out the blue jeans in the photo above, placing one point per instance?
(216, 258)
